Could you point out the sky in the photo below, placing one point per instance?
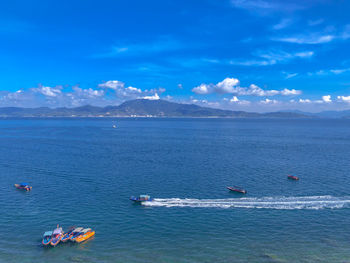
(252, 55)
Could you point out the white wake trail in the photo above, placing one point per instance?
(290, 203)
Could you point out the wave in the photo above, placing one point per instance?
(282, 202)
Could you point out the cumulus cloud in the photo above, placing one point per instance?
(112, 84)
(203, 89)
(326, 98)
(111, 92)
(127, 92)
(344, 98)
(48, 91)
(153, 97)
(287, 92)
(235, 100)
(232, 86)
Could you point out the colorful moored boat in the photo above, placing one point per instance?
(56, 236)
(76, 232)
(85, 235)
(47, 237)
(67, 235)
(237, 189)
(23, 186)
(141, 198)
(292, 177)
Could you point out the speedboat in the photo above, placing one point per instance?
(237, 189)
(23, 186)
(141, 198)
(76, 232)
(66, 235)
(47, 237)
(56, 236)
(292, 177)
(85, 235)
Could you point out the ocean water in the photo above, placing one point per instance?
(83, 172)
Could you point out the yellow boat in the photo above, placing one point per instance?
(85, 235)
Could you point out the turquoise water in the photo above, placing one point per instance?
(83, 172)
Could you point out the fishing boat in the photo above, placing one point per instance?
(23, 186)
(237, 189)
(66, 236)
(292, 177)
(141, 198)
(85, 235)
(76, 232)
(47, 237)
(56, 236)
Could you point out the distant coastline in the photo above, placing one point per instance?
(142, 108)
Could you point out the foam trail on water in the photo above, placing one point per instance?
(291, 203)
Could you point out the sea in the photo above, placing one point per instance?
(83, 172)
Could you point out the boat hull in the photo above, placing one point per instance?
(292, 177)
(26, 188)
(46, 242)
(240, 191)
(85, 237)
(55, 241)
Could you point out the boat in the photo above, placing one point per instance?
(85, 235)
(47, 237)
(66, 236)
(56, 236)
(237, 189)
(23, 186)
(292, 177)
(141, 198)
(114, 126)
(76, 232)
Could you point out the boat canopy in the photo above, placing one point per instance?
(58, 231)
(23, 184)
(78, 229)
(86, 230)
(48, 233)
(144, 196)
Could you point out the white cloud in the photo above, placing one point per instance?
(307, 39)
(268, 101)
(48, 91)
(87, 93)
(203, 89)
(326, 98)
(344, 98)
(112, 84)
(290, 75)
(330, 34)
(234, 99)
(228, 85)
(134, 90)
(287, 92)
(272, 57)
(153, 97)
(304, 101)
(231, 86)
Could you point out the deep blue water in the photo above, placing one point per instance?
(83, 172)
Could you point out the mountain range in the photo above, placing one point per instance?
(155, 108)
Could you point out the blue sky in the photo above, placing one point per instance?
(254, 55)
